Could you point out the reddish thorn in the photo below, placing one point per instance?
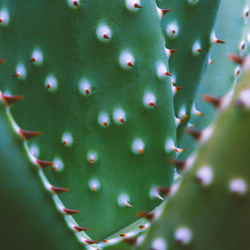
(105, 124)
(105, 241)
(48, 86)
(16, 75)
(44, 164)
(2, 60)
(90, 242)
(196, 134)
(178, 88)
(167, 74)
(136, 5)
(70, 211)
(176, 150)
(130, 64)
(171, 51)
(9, 99)
(64, 143)
(122, 120)
(33, 59)
(181, 120)
(80, 229)
(86, 91)
(213, 100)
(58, 190)
(130, 241)
(91, 161)
(148, 216)
(105, 36)
(165, 191)
(200, 113)
(211, 62)
(235, 58)
(180, 164)
(165, 11)
(123, 235)
(141, 151)
(1, 20)
(153, 104)
(27, 135)
(199, 50)
(142, 227)
(219, 41)
(75, 3)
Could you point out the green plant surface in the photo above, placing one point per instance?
(221, 76)
(189, 28)
(76, 66)
(213, 198)
(33, 224)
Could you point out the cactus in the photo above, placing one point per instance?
(213, 198)
(183, 32)
(92, 91)
(222, 75)
(91, 99)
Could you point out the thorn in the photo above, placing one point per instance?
(136, 5)
(58, 190)
(105, 241)
(142, 227)
(213, 100)
(27, 135)
(153, 104)
(123, 235)
(219, 41)
(105, 36)
(199, 50)
(178, 88)
(16, 75)
(179, 164)
(75, 3)
(80, 229)
(179, 150)
(48, 86)
(148, 216)
(172, 51)
(165, 191)
(91, 161)
(105, 123)
(70, 211)
(43, 164)
(165, 11)
(122, 120)
(196, 134)
(141, 151)
(90, 242)
(130, 64)
(235, 58)
(9, 99)
(1, 20)
(197, 112)
(86, 91)
(2, 61)
(33, 59)
(167, 73)
(130, 241)
(127, 204)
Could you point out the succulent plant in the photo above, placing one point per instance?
(93, 108)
